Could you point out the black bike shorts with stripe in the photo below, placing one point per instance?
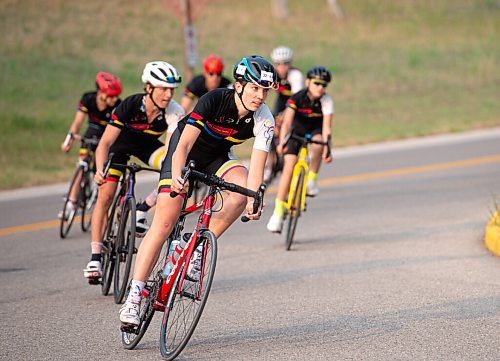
(206, 162)
(149, 150)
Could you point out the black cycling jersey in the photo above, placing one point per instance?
(285, 89)
(88, 105)
(216, 115)
(196, 87)
(308, 118)
(138, 137)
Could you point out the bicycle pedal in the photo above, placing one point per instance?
(94, 281)
(128, 328)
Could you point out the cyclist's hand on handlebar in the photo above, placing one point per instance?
(99, 177)
(177, 184)
(249, 211)
(327, 155)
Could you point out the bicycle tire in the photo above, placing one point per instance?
(108, 250)
(184, 308)
(295, 209)
(124, 250)
(89, 200)
(65, 224)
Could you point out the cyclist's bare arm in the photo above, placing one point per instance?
(179, 158)
(327, 131)
(73, 131)
(286, 127)
(254, 180)
(102, 152)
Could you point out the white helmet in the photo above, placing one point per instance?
(161, 74)
(282, 54)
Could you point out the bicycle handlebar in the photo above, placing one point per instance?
(212, 180)
(308, 139)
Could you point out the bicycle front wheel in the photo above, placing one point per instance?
(108, 249)
(89, 199)
(186, 301)
(295, 209)
(124, 250)
(68, 215)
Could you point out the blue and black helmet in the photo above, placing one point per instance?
(255, 69)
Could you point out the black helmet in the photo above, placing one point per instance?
(257, 70)
(319, 72)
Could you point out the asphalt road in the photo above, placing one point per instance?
(388, 264)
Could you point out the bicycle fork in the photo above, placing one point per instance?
(302, 163)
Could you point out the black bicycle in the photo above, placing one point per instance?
(83, 183)
(119, 239)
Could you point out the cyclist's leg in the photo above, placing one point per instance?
(100, 214)
(234, 203)
(316, 151)
(166, 214)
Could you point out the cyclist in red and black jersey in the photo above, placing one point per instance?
(97, 106)
(211, 79)
(222, 118)
(134, 129)
(309, 111)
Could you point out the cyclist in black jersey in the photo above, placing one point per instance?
(309, 111)
(97, 106)
(222, 118)
(291, 81)
(134, 129)
(211, 79)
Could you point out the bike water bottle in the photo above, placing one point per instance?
(175, 250)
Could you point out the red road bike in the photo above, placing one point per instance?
(177, 293)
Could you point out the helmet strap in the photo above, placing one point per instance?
(151, 97)
(240, 95)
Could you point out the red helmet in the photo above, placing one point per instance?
(108, 83)
(213, 64)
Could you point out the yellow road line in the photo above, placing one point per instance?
(34, 227)
(404, 171)
(328, 181)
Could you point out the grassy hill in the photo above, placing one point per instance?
(401, 68)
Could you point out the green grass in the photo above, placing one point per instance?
(401, 68)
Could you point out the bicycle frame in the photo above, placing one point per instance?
(302, 163)
(202, 225)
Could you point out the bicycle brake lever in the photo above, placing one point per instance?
(257, 202)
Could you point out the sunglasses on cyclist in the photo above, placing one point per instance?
(212, 74)
(320, 83)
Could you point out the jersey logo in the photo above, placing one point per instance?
(225, 132)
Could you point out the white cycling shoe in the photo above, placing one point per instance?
(93, 270)
(70, 207)
(312, 189)
(141, 224)
(275, 223)
(129, 313)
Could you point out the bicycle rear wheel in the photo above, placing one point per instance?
(67, 221)
(124, 250)
(89, 199)
(187, 300)
(108, 249)
(295, 209)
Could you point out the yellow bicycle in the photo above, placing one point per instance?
(296, 203)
